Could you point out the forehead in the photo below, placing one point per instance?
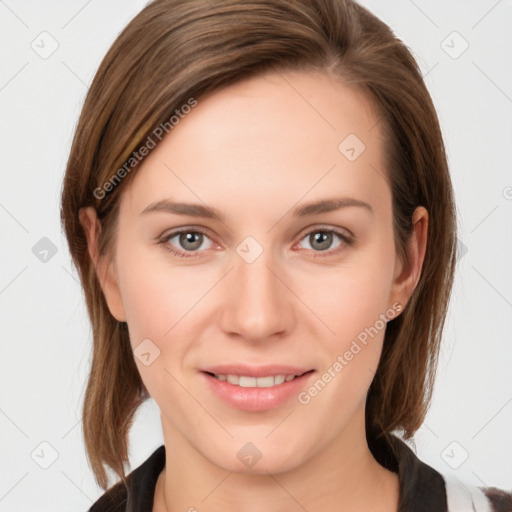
(281, 136)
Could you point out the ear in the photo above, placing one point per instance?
(105, 269)
(408, 273)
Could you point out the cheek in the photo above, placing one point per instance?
(350, 299)
(156, 299)
(163, 304)
(353, 302)
(356, 309)
(157, 296)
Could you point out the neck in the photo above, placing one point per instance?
(344, 475)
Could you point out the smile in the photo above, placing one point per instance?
(257, 393)
(246, 381)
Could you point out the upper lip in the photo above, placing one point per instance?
(255, 371)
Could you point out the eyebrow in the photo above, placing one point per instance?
(308, 209)
(329, 205)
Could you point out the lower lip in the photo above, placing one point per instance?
(257, 399)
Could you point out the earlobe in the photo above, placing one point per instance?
(102, 264)
(408, 273)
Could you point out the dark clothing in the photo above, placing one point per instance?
(422, 488)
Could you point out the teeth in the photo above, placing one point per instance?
(232, 379)
(247, 382)
(255, 382)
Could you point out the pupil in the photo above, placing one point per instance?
(191, 241)
(323, 239)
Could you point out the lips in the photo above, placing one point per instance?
(256, 388)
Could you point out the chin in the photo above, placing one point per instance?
(250, 459)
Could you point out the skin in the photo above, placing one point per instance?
(255, 151)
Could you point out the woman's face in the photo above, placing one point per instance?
(296, 273)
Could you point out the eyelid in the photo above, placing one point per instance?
(169, 233)
(346, 236)
(343, 232)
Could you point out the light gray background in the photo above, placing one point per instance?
(45, 336)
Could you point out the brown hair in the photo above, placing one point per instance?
(174, 50)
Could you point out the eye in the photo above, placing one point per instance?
(185, 241)
(325, 240)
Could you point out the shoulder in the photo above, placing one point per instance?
(501, 500)
(463, 496)
(139, 491)
(114, 500)
(423, 488)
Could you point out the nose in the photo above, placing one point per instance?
(256, 304)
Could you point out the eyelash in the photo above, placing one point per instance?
(346, 239)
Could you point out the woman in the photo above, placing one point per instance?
(258, 202)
